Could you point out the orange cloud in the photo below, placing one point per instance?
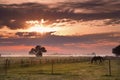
(97, 45)
(51, 48)
(15, 48)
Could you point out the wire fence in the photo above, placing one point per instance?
(6, 64)
(10, 63)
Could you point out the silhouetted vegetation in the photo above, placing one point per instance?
(116, 50)
(38, 50)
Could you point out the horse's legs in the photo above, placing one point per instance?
(95, 61)
(92, 61)
(101, 60)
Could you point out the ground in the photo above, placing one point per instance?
(63, 69)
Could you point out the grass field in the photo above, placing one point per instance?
(65, 69)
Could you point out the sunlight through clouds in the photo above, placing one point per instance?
(79, 26)
(86, 27)
(38, 26)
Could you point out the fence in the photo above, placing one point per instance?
(10, 63)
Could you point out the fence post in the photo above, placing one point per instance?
(22, 63)
(40, 61)
(31, 62)
(52, 67)
(109, 63)
(6, 66)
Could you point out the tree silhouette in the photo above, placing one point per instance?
(116, 50)
(38, 51)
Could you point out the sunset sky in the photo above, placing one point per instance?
(62, 26)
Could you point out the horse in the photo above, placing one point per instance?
(96, 59)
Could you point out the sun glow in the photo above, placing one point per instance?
(41, 29)
(37, 26)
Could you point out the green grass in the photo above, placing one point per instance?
(64, 71)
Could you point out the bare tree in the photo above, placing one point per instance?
(38, 51)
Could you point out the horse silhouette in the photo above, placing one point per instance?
(97, 59)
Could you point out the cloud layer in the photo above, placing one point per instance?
(15, 15)
(85, 25)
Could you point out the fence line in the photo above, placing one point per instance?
(9, 63)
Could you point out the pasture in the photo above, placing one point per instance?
(58, 68)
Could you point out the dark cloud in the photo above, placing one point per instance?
(97, 5)
(53, 40)
(93, 9)
(113, 21)
(20, 13)
(28, 35)
(100, 9)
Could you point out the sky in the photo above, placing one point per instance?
(77, 27)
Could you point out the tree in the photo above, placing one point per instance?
(38, 51)
(116, 50)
